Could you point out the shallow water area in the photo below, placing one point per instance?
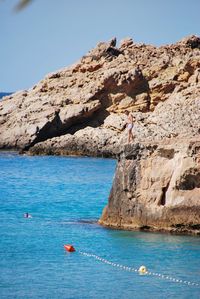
(65, 197)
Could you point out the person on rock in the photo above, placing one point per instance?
(129, 125)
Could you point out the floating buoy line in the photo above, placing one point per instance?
(142, 269)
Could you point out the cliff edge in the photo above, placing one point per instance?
(157, 188)
(79, 110)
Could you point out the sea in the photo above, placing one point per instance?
(3, 94)
(65, 197)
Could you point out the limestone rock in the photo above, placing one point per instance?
(160, 85)
(100, 142)
(115, 122)
(156, 187)
(79, 110)
(127, 42)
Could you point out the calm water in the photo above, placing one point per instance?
(65, 197)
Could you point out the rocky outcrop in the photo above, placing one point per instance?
(97, 142)
(83, 106)
(79, 110)
(156, 187)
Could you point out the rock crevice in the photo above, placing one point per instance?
(160, 85)
(79, 110)
(153, 191)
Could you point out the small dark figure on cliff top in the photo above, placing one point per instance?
(113, 42)
(129, 125)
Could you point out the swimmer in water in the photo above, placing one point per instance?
(27, 215)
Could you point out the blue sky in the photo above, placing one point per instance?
(50, 34)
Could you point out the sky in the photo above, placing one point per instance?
(50, 34)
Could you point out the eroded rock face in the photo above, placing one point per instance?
(156, 187)
(79, 110)
(160, 85)
(96, 142)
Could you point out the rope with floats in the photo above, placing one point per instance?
(142, 269)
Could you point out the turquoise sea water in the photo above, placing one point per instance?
(66, 196)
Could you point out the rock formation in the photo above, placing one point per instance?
(84, 104)
(79, 110)
(156, 187)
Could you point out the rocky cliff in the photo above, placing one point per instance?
(79, 110)
(156, 187)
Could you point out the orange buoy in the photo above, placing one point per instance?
(69, 248)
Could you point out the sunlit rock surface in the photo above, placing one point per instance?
(79, 110)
